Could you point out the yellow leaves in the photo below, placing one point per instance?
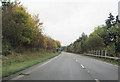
(55, 44)
(49, 43)
(45, 42)
(25, 30)
(18, 9)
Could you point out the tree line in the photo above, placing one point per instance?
(105, 37)
(22, 31)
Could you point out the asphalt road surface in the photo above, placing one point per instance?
(69, 66)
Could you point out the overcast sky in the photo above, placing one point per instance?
(66, 20)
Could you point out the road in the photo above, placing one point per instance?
(69, 66)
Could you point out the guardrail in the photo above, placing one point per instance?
(101, 54)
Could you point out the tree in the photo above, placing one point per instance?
(7, 4)
(110, 21)
(94, 42)
(23, 31)
(103, 33)
(78, 45)
(84, 38)
(113, 31)
(17, 26)
(78, 48)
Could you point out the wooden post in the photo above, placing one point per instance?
(102, 53)
(105, 53)
(95, 52)
(99, 53)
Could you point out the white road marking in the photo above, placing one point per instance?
(82, 66)
(28, 72)
(76, 60)
(97, 80)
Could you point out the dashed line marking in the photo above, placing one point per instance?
(76, 60)
(97, 80)
(82, 66)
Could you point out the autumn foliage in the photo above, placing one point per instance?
(21, 31)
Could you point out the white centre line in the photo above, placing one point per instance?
(97, 80)
(76, 60)
(82, 66)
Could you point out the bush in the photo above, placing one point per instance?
(6, 49)
(111, 49)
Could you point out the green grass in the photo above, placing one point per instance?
(103, 59)
(15, 63)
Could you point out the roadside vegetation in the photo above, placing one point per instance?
(105, 37)
(17, 62)
(23, 41)
(21, 31)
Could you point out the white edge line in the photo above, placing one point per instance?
(20, 76)
(82, 66)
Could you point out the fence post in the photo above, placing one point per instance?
(105, 53)
(99, 53)
(102, 53)
(95, 52)
(92, 52)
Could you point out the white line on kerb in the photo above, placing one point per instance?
(82, 66)
(97, 80)
(20, 76)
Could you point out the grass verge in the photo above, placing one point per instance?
(103, 59)
(17, 62)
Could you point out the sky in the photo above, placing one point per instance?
(66, 20)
